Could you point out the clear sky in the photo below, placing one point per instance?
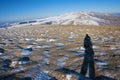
(25, 9)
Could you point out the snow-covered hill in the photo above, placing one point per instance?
(76, 18)
(82, 18)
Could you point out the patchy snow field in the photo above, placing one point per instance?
(59, 50)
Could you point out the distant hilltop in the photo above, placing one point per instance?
(82, 18)
(75, 18)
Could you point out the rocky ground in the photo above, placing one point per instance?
(56, 52)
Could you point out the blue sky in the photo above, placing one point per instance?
(25, 9)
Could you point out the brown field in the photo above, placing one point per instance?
(105, 39)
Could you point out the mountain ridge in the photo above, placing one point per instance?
(74, 18)
(81, 18)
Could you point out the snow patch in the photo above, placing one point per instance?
(86, 22)
(43, 46)
(79, 53)
(68, 77)
(82, 48)
(59, 44)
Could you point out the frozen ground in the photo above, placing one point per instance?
(59, 51)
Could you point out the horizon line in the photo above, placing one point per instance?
(2, 21)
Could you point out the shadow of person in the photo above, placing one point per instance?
(88, 61)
